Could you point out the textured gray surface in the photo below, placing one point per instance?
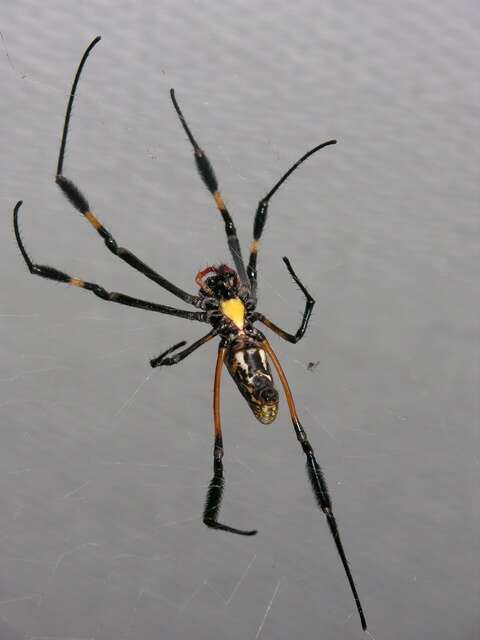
(104, 462)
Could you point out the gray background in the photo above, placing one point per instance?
(104, 462)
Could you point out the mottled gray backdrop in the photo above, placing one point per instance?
(104, 462)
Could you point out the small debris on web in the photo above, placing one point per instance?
(311, 366)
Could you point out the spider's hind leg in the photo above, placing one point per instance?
(317, 479)
(214, 497)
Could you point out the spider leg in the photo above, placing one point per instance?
(51, 273)
(262, 212)
(70, 190)
(162, 360)
(309, 304)
(207, 174)
(214, 497)
(78, 200)
(316, 477)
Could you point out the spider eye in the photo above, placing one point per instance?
(211, 282)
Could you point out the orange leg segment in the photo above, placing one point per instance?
(218, 452)
(213, 501)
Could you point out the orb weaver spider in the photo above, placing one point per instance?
(226, 300)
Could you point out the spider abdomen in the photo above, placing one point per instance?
(249, 367)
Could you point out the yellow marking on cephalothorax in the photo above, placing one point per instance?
(76, 282)
(254, 246)
(234, 310)
(92, 219)
(219, 200)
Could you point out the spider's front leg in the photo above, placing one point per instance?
(214, 497)
(262, 212)
(80, 202)
(207, 174)
(44, 271)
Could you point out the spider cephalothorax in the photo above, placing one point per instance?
(220, 282)
(226, 300)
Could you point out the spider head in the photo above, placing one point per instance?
(220, 282)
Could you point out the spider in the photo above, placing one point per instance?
(227, 300)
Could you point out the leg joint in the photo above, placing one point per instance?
(111, 244)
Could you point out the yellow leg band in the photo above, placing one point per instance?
(219, 200)
(92, 219)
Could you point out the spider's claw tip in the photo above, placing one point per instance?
(16, 210)
(241, 532)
